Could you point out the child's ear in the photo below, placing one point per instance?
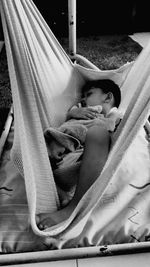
(109, 97)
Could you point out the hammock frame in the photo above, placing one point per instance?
(129, 252)
(77, 253)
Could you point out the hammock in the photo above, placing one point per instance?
(43, 78)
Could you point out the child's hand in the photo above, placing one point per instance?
(106, 123)
(101, 121)
(85, 113)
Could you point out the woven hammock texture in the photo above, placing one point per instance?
(45, 83)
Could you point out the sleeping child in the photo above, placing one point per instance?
(99, 105)
(88, 129)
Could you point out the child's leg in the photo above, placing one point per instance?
(66, 178)
(94, 157)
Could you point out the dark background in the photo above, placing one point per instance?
(96, 17)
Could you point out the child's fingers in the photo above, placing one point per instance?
(96, 109)
(86, 115)
(91, 110)
(91, 115)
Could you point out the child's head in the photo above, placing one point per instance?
(101, 92)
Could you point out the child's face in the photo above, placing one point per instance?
(94, 97)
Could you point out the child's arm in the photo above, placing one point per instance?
(108, 122)
(78, 112)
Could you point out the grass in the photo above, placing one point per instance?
(106, 52)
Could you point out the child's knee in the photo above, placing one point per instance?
(98, 135)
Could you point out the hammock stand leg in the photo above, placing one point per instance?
(73, 37)
(72, 26)
(6, 130)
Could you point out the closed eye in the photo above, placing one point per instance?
(89, 93)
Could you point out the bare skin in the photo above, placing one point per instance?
(94, 157)
(84, 113)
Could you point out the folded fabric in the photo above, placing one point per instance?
(71, 134)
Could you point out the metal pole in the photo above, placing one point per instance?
(6, 130)
(75, 253)
(72, 26)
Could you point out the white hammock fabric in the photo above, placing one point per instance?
(44, 84)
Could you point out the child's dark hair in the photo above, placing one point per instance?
(106, 85)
